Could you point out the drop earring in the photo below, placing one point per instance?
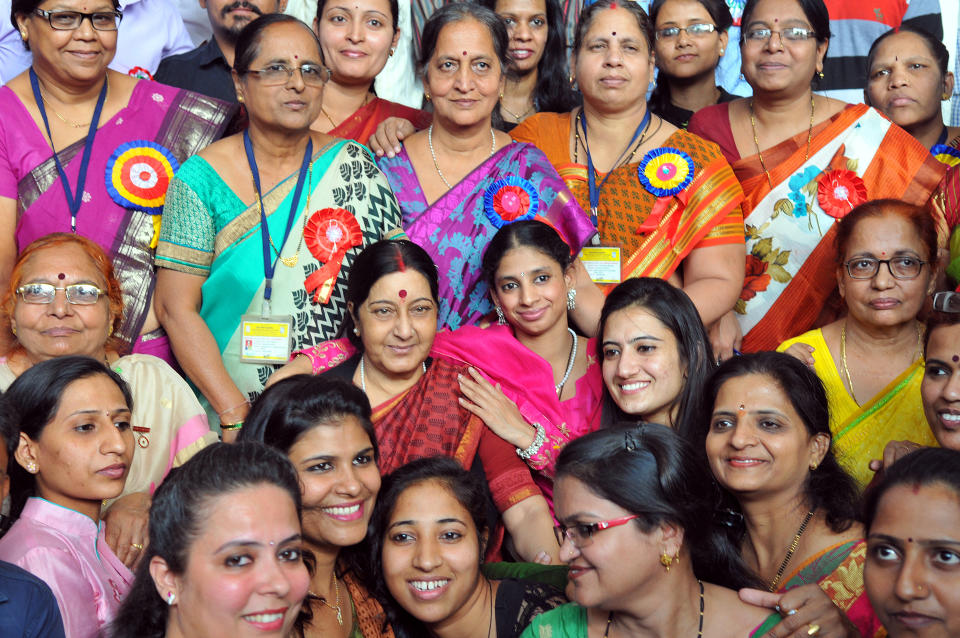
(666, 560)
(501, 319)
(171, 597)
(572, 299)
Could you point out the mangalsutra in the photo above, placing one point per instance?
(292, 260)
(517, 118)
(843, 355)
(756, 139)
(793, 548)
(60, 117)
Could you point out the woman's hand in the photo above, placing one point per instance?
(807, 611)
(389, 135)
(803, 352)
(299, 365)
(499, 413)
(725, 336)
(126, 527)
(892, 452)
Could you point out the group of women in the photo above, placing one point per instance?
(433, 362)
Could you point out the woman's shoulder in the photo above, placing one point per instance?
(738, 617)
(544, 130)
(137, 369)
(811, 338)
(704, 151)
(565, 621)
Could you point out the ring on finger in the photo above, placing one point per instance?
(136, 545)
(813, 630)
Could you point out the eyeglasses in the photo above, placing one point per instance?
(947, 302)
(692, 30)
(791, 34)
(279, 74)
(899, 267)
(581, 534)
(79, 294)
(69, 20)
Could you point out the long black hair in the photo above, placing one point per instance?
(926, 466)
(828, 487)
(34, 399)
(649, 470)
(673, 308)
(178, 514)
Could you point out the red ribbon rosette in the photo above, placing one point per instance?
(329, 234)
(840, 191)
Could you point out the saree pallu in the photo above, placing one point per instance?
(861, 432)
(655, 233)
(207, 231)
(159, 128)
(365, 120)
(791, 260)
(456, 229)
(839, 572)
(368, 615)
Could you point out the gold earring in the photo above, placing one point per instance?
(945, 96)
(392, 51)
(666, 560)
(23, 34)
(820, 74)
(426, 95)
(813, 466)
(13, 329)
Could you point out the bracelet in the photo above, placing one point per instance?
(231, 426)
(538, 440)
(239, 405)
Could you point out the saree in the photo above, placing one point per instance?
(365, 120)
(839, 572)
(516, 182)
(655, 232)
(856, 155)
(134, 155)
(860, 432)
(209, 232)
(368, 615)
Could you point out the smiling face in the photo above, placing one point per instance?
(884, 300)
(757, 443)
(531, 289)
(397, 322)
(904, 81)
(614, 65)
(463, 76)
(686, 56)
(357, 37)
(527, 25)
(61, 328)
(292, 106)
(912, 572)
(245, 574)
(940, 389)
(73, 57)
(431, 554)
(340, 481)
(777, 65)
(642, 368)
(83, 454)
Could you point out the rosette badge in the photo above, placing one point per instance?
(509, 199)
(138, 174)
(329, 234)
(665, 171)
(839, 192)
(946, 154)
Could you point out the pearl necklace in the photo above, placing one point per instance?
(363, 378)
(573, 357)
(436, 164)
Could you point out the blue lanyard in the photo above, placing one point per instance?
(73, 200)
(943, 137)
(592, 175)
(270, 266)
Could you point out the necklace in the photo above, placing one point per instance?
(292, 260)
(843, 355)
(516, 117)
(336, 606)
(363, 378)
(60, 117)
(436, 165)
(756, 139)
(790, 551)
(366, 98)
(606, 632)
(573, 356)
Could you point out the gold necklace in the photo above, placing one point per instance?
(336, 606)
(517, 118)
(292, 260)
(843, 355)
(60, 117)
(366, 98)
(793, 547)
(756, 139)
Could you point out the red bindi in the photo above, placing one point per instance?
(956, 358)
(613, 5)
(296, 57)
(403, 294)
(463, 53)
(61, 276)
(614, 33)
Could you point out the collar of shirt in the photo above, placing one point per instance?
(210, 53)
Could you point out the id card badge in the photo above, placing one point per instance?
(602, 263)
(266, 339)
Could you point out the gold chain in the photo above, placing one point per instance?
(516, 117)
(60, 117)
(843, 355)
(579, 142)
(292, 260)
(336, 606)
(756, 139)
(793, 547)
(366, 98)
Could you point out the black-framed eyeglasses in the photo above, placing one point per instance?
(69, 20)
(903, 267)
(692, 30)
(581, 534)
(279, 74)
(78, 294)
(791, 34)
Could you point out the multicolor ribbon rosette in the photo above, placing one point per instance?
(946, 154)
(329, 234)
(839, 191)
(665, 171)
(510, 199)
(138, 174)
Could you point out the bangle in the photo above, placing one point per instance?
(231, 426)
(239, 405)
(538, 440)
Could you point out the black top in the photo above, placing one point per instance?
(681, 117)
(518, 601)
(203, 70)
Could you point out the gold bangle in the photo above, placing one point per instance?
(231, 426)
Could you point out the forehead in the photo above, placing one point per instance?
(756, 391)
(521, 6)
(467, 34)
(927, 511)
(260, 513)
(634, 320)
(429, 501)
(902, 44)
(390, 285)
(619, 20)
(681, 11)
(341, 437)
(573, 496)
(885, 233)
(88, 6)
(524, 257)
(69, 259)
(359, 6)
(286, 40)
(944, 342)
(785, 11)
(97, 392)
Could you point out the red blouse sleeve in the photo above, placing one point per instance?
(509, 477)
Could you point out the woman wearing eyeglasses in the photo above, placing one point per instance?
(63, 299)
(691, 36)
(87, 150)
(804, 161)
(260, 229)
(871, 361)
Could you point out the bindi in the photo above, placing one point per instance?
(463, 53)
(956, 358)
(741, 408)
(61, 276)
(614, 33)
(403, 294)
(613, 5)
